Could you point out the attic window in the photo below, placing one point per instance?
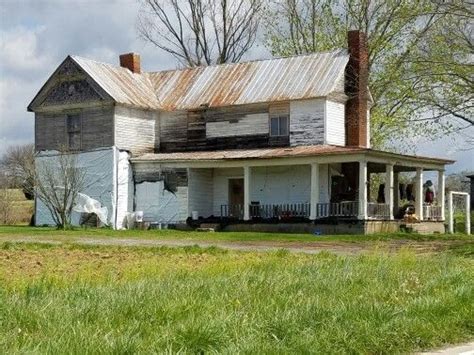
(279, 125)
(73, 123)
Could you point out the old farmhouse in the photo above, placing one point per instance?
(279, 144)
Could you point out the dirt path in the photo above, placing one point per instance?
(463, 349)
(339, 247)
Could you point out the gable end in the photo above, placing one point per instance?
(68, 85)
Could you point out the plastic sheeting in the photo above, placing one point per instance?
(160, 205)
(86, 204)
(108, 180)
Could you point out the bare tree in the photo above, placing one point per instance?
(17, 165)
(58, 181)
(201, 32)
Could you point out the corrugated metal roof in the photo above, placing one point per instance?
(270, 153)
(262, 153)
(298, 77)
(121, 84)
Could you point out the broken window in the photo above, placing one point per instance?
(73, 123)
(279, 125)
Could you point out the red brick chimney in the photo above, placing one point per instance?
(131, 61)
(357, 76)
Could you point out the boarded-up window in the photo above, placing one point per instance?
(74, 131)
(279, 125)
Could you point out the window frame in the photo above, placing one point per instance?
(74, 129)
(279, 118)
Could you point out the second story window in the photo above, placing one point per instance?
(73, 123)
(279, 125)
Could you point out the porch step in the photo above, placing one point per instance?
(208, 226)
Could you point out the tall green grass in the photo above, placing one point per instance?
(56, 299)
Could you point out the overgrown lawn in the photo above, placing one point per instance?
(83, 299)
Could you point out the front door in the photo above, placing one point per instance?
(236, 198)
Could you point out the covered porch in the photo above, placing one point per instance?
(301, 184)
(322, 191)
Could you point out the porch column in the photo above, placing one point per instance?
(362, 190)
(396, 193)
(314, 198)
(441, 196)
(389, 190)
(247, 176)
(468, 215)
(419, 193)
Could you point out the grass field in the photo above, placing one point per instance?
(220, 236)
(14, 207)
(84, 299)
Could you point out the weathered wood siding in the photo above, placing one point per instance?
(173, 130)
(135, 130)
(200, 191)
(96, 130)
(307, 122)
(236, 127)
(335, 132)
(250, 124)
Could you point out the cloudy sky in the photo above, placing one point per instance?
(36, 36)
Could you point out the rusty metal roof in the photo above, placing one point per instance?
(121, 84)
(270, 153)
(279, 79)
(297, 77)
(261, 153)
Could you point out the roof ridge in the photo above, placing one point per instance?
(340, 50)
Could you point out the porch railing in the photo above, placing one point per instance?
(339, 209)
(284, 210)
(378, 210)
(347, 209)
(232, 211)
(431, 213)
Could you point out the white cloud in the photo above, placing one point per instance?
(19, 48)
(36, 36)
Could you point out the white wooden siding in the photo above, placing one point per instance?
(135, 130)
(247, 125)
(272, 185)
(307, 122)
(335, 132)
(200, 187)
(221, 186)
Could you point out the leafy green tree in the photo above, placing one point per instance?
(420, 56)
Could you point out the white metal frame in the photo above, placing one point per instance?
(451, 214)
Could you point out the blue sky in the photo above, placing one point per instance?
(36, 36)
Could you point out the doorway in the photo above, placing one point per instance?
(236, 197)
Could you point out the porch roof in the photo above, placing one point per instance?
(282, 152)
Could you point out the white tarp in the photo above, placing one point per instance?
(160, 205)
(107, 180)
(86, 204)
